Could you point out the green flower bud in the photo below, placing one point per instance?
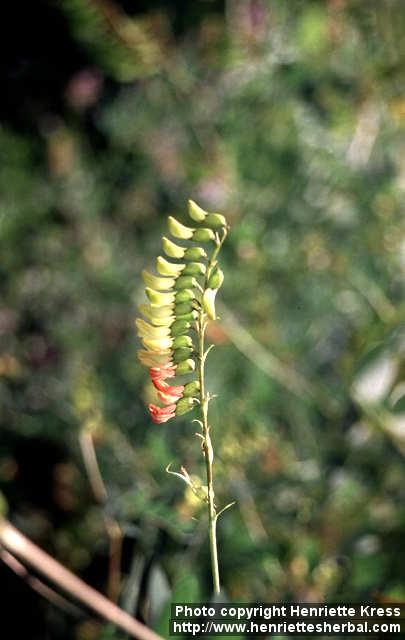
(209, 302)
(191, 389)
(182, 308)
(185, 295)
(187, 366)
(189, 317)
(203, 235)
(185, 282)
(178, 230)
(179, 327)
(171, 249)
(179, 355)
(159, 298)
(194, 253)
(184, 405)
(157, 283)
(216, 279)
(166, 268)
(195, 269)
(215, 221)
(182, 341)
(195, 212)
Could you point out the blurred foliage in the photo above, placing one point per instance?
(289, 117)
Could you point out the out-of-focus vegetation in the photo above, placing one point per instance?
(289, 117)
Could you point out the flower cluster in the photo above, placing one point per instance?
(177, 295)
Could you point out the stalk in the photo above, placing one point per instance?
(166, 356)
(208, 455)
(206, 442)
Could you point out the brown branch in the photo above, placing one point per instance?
(112, 527)
(19, 545)
(37, 585)
(91, 464)
(115, 556)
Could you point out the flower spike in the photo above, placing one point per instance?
(178, 296)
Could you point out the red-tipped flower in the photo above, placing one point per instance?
(168, 394)
(162, 414)
(163, 372)
(161, 385)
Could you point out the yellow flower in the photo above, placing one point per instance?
(209, 302)
(159, 298)
(178, 230)
(154, 359)
(195, 212)
(171, 249)
(166, 268)
(162, 284)
(146, 330)
(158, 344)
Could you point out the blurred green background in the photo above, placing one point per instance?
(288, 117)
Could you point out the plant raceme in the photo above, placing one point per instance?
(181, 296)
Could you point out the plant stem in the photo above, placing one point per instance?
(208, 455)
(207, 444)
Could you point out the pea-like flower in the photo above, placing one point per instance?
(169, 394)
(161, 373)
(162, 414)
(154, 358)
